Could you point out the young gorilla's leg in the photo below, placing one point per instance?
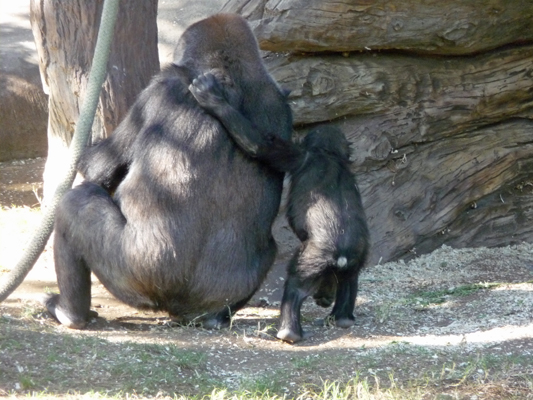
(302, 281)
(88, 223)
(294, 294)
(344, 306)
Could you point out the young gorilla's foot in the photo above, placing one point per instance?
(344, 322)
(326, 292)
(50, 301)
(292, 337)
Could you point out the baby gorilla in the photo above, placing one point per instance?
(324, 209)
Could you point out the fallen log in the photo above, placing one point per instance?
(455, 28)
(439, 94)
(466, 190)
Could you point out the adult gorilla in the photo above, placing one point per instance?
(172, 216)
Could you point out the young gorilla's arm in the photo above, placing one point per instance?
(267, 147)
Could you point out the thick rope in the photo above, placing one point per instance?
(81, 135)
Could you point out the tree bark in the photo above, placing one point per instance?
(442, 144)
(456, 27)
(443, 147)
(65, 35)
(420, 96)
(473, 189)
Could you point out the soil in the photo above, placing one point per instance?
(21, 182)
(454, 304)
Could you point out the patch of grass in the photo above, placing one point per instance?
(26, 382)
(384, 311)
(362, 389)
(147, 367)
(427, 298)
(481, 370)
(307, 362)
(58, 363)
(31, 310)
(73, 366)
(224, 394)
(264, 385)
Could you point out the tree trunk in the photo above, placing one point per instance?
(472, 189)
(417, 98)
(431, 26)
(443, 147)
(65, 34)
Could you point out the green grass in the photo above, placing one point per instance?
(260, 386)
(59, 362)
(426, 298)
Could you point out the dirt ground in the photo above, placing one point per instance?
(439, 310)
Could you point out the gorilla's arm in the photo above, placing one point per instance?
(278, 153)
(106, 163)
(210, 95)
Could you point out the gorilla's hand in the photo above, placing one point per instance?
(216, 95)
(209, 93)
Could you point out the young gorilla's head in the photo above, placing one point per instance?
(329, 139)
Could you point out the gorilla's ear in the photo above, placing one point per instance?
(285, 92)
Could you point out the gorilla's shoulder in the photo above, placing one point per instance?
(172, 82)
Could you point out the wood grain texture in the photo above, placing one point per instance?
(437, 142)
(467, 190)
(436, 94)
(431, 26)
(440, 123)
(65, 35)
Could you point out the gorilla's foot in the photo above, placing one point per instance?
(291, 336)
(344, 322)
(220, 320)
(51, 302)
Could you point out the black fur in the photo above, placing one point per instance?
(172, 216)
(324, 209)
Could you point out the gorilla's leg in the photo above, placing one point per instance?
(88, 224)
(222, 319)
(304, 278)
(72, 307)
(342, 311)
(294, 294)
